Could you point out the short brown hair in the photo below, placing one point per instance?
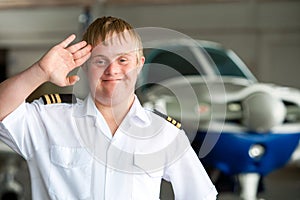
(103, 27)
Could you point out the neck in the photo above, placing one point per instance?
(115, 114)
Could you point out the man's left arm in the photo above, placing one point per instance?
(189, 178)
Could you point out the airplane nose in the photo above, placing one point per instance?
(262, 111)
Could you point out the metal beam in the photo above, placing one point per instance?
(8, 4)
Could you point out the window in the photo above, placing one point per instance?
(225, 65)
(163, 64)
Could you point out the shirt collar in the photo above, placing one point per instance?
(86, 108)
(136, 114)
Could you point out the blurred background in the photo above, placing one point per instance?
(264, 33)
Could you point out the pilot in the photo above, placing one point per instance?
(106, 146)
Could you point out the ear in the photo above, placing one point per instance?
(141, 64)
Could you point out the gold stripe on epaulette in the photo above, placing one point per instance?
(169, 119)
(178, 125)
(173, 121)
(52, 98)
(58, 99)
(48, 101)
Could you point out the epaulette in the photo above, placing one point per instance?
(168, 118)
(59, 98)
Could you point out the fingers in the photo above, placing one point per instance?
(67, 41)
(80, 51)
(83, 59)
(82, 55)
(71, 80)
(74, 48)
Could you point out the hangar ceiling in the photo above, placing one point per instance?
(5, 4)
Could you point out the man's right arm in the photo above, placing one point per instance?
(54, 66)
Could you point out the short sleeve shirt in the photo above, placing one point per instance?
(72, 154)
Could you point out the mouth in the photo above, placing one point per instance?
(112, 79)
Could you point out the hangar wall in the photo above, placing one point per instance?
(265, 34)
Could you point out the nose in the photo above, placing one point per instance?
(112, 68)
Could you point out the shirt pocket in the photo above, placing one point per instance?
(147, 179)
(70, 174)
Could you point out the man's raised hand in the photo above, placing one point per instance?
(61, 59)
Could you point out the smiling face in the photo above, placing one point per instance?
(113, 68)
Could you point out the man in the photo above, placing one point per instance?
(107, 146)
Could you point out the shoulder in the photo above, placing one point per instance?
(55, 105)
(168, 119)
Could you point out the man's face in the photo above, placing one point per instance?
(112, 70)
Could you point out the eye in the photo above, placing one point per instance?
(100, 62)
(123, 60)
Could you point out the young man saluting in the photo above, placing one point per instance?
(107, 146)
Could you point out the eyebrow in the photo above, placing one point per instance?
(117, 55)
(101, 56)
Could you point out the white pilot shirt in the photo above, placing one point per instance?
(71, 154)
